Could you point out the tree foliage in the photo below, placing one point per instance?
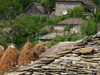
(77, 11)
(88, 27)
(48, 3)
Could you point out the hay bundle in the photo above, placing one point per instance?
(27, 46)
(9, 58)
(1, 51)
(39, 49)
(27, 54)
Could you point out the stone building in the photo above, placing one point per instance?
(64, 5)
(74, 22)
(35, 8)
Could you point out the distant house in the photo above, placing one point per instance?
(62, 6)
(74, 22)
(35, 8)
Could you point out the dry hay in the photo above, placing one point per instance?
(27, 46)
(1, 51)
(39, 49)
(27, 54)
(9, 58)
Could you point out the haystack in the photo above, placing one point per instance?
(39, 49)
(27, 46)
(1, 51)
(9, 58)
(27, 54)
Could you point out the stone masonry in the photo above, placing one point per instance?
(64, 6)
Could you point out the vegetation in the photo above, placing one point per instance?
(67, 28)
(67, 37)
(89, 27)
(23, 26)
(77, 11)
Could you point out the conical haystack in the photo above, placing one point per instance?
(27, 46)
(9, 58)
(27, 54)
(1, 51)
(39, 49)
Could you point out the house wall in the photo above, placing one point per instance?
(61, 6)
(32, 10)
(74, 28)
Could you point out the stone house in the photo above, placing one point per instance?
(74, 22)
(35, 8)
(64, 5)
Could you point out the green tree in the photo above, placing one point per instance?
(48, 3)
(25, 3)
(9, 8)
(24, 26)
(88, 27)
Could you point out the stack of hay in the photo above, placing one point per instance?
(9, 58)
(27, 54)
(1, 51)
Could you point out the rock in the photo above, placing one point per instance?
(88, 63)
(86, 50)
(50, 67)
(71, 58)
(89, 56)
(28, 73)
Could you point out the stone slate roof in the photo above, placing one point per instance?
(70, 21)
(56, 48)
(86, 2)
(38, 6)
(81, 59)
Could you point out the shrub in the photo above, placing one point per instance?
(36, 18)
(77, 11)
(50, 21)
(44, 18)
(67, 28)
(88, 27)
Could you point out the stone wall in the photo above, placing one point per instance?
(74, 28)
(61, 6)
(59, 27)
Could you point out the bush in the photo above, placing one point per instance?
(67, 28)
(36, 18)
(77, 11)
(88, 27)
(44, 18)
(50, 21)
(67, 37)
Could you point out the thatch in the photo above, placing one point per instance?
(9, 58)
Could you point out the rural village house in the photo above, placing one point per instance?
(74, 22)
(35, 8)
(63, 6)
